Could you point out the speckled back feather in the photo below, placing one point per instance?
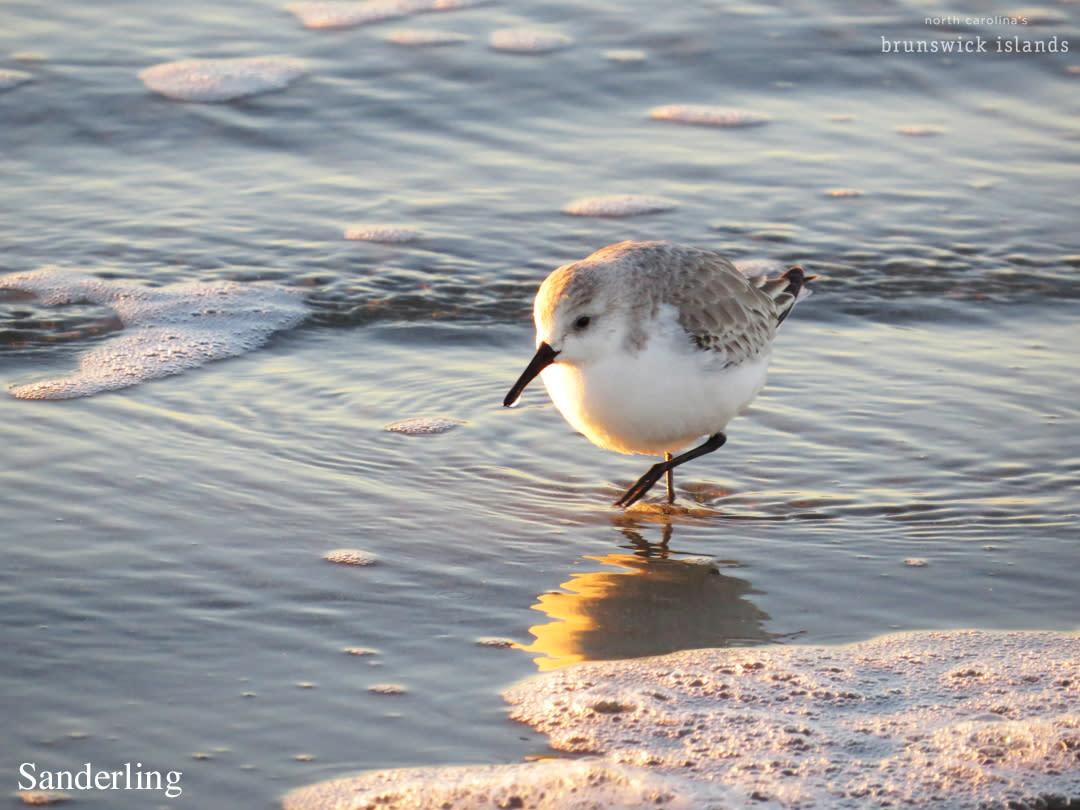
(721, 310)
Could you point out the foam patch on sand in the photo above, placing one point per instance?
(958, 720)
(618, 205)
(211, 80)
(708, 115)
(553, 785)
(343, 14)
(167, 330)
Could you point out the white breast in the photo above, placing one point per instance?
(658, 400)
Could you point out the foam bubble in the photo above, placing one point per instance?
(417, 37)
(220, 79)
(13, 78)
(350, 556)
(958, 720)
(618, 205)
(42, 798)
(707, 563)
(625, 56)
(423, 426)
(584, 784)
(382, 233)
(453, 5)
(167, 330)
(341, 14)
(346, 15)
(528, 40)
(387, 689)
(918, 131)
(708, 115)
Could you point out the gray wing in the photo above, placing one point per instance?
(722, 311)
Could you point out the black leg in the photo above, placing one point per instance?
(645, 483)
(670, 479)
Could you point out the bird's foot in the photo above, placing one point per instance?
(643, 485)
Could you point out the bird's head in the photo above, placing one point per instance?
(577, 312)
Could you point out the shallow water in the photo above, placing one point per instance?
(912, 464)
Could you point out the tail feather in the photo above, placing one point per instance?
(789, 289)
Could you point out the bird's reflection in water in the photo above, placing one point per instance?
(647, 603)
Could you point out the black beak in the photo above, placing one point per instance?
(544, 357)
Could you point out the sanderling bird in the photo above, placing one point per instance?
(645, 347)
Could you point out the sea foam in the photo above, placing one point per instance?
(618, 205)
(423, 426)
(350, 556)
(166, 329)
(220, 79)
(554, 785)
(708, 115)
(382, 232)
(958, 720)
(344, 14)
(944, 720)
(13, 78)
(528, 40)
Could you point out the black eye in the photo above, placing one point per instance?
(582, 322)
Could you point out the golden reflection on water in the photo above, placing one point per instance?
(644, 604)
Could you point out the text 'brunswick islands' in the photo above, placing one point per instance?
(977, 44)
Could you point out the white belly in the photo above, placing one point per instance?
(659, 400)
